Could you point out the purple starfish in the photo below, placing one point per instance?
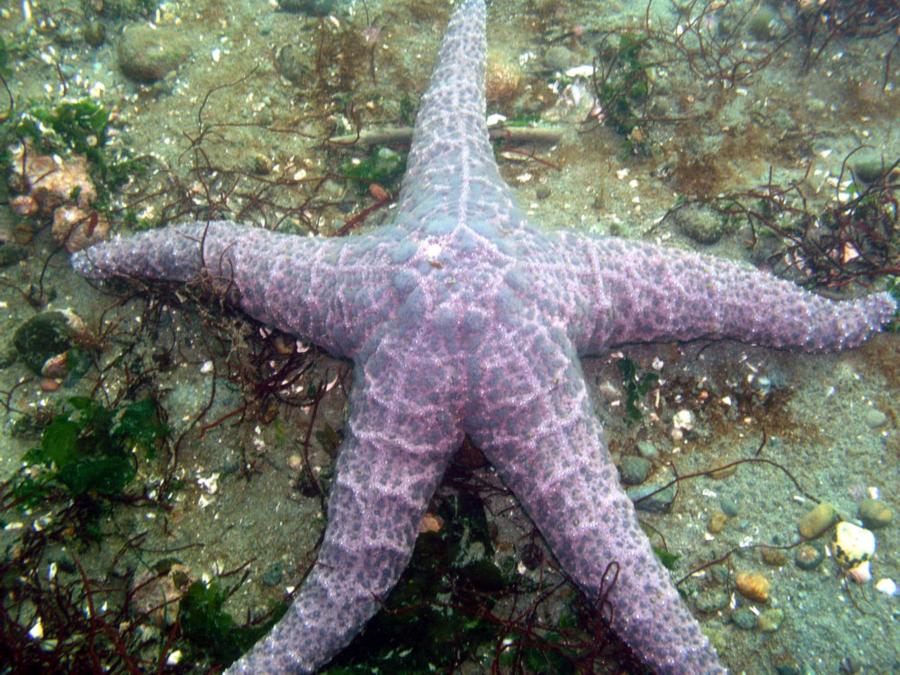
(463, 319)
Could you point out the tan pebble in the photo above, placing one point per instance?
(817, 520)
(379, 193)
(773, 556)
(717, 522)
(753, 585)
(431, 523)
(49, 384)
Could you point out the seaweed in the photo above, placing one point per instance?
(88, 453)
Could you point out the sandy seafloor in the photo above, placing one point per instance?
(817, 425)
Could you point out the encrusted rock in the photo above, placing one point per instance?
(50, 182)
(147, 54)
(77, 229)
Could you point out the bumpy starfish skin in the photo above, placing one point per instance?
(462, 318)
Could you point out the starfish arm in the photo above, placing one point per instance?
(451, 158)
(547, 445)
(296, 284)
(400, 436)
(653, 293)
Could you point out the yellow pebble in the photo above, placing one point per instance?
(753, 586)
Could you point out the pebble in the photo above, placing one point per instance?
(886, 586)
(775, 557)
(711, 600)
(753, 586)
(542, 192)
(658, 503)
(700, 224)
(875, 418)
(770, 620)
(744, 618)
(809, 556)
(817, 520)
(560, 58)
(729, 507)
(717, 522)
(874, 513)
(273, 575)
(647, 449)
(147, 55)
(634, 470)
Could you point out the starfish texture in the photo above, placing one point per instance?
(462, 318)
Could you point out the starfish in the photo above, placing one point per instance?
(463, 319)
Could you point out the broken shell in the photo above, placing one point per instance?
(56, 366)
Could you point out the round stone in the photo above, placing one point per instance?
(634, 470)
(809, 556)
(817, 520)
(147, 55)
(874, 513)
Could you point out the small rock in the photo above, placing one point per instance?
(658, 503)
(874, 513)
(700, 224)
(809, 556)
(753, 586)
(717, 522)
(542, 192)
(770, 620)
(729, 507)
(817, 520)
(764, 24)
(292, 64)
(869, 166)
(886, 586)
(634, 470)
(41, 337)
(49, 384)
(560, 58)
(774, 557)
(148, 54)
(743, 618)
(647, 450)
(94, 33)
(273, 575)
(875, 418)
(711, 600)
